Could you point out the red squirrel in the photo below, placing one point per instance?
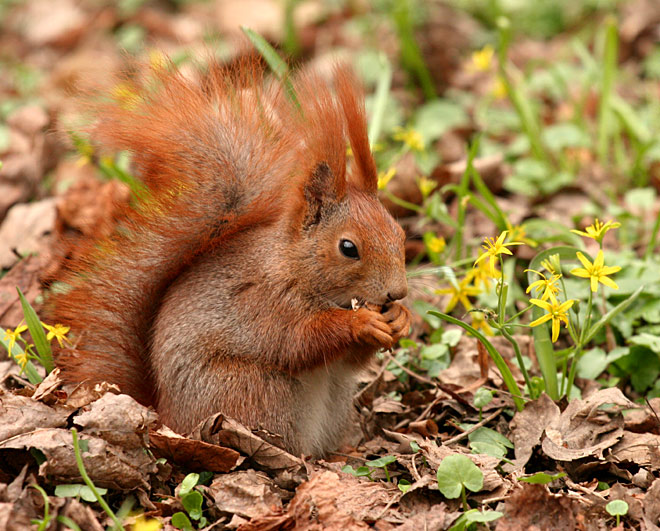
(258, 275)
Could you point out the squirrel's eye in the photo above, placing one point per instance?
(349, 249)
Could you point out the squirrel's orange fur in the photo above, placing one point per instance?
(227, 288)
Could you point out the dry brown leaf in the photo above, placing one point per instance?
(191, 453)
(533, 508)
(247, 493)
(25, 230)
(223, 431)
(25, 275)
(118, 419)
(643, 449)
(331, 501)
(585, 428)
(528, 425)
(21, 415)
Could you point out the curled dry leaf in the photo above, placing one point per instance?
(118, 419)
(21, 415)
(528, 425)
(191, 453)
(223, 431)
(587, 427)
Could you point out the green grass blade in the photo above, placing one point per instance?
(461, 192)
(609, 68)
(273, 60)
(501, 365)
(612, 313)
(380, 99)
(545, 352)
(500, 218)
(37, 333)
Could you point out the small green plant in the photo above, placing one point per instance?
(192, 501)
(22, 352)
(541, 478)
(482, 397)
(78, 447)
(367, 469)
(617, 508)
(456, 473)
(475, 516)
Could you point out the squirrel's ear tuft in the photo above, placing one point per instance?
(349, 92)
(322, 192)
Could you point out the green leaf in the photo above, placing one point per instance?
(192, 503)
(563, 135)
(68, 490)
(482, 517)
(362, 471)
(487, 448)
(617, 508)
(593, 362)
(188, 483)
(381, 462)
(404, 485)
(437, 117)
(37, 333)
(452, 337)
(482, 397)
(181, 521)
(435, 352)
(541, 478)
(457, 471)
(485, 434)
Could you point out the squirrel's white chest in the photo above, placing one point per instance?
(326, 406)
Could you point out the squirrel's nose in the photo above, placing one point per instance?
(399, 292)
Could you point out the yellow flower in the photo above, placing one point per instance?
(552, 264)
(493, 248)
(142, 524)
(556, 312)
(349, 151)
(410, 138)
(481, 274)
(385, 177)
(597, 271)
(22, 359)
(519, 234)
(597, 230)
(58, 331)
(13, 335)
(460, 294)
(426, 186)
(436, 245)
(482, 59)
(479, 322)
(499, 89)
(548, 285)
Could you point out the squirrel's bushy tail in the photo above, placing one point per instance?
(218, 153)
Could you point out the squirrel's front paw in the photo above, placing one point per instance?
(372, 328)
(399, 319)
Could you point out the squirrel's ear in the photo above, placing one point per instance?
(322, 191)
(364, 175)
